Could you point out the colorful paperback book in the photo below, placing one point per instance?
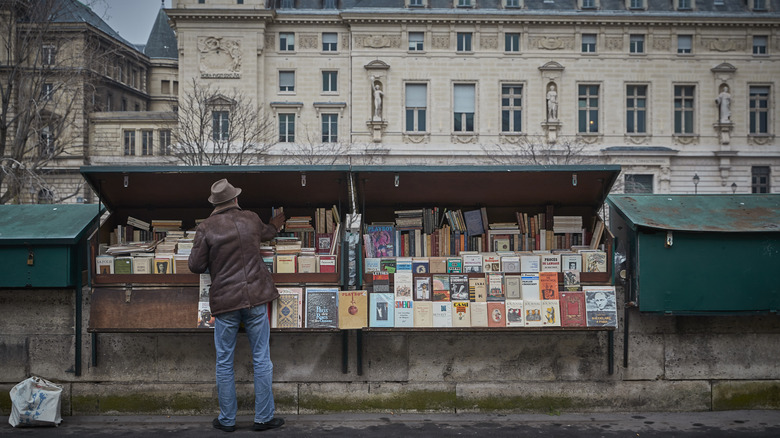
(548, 285)
(594, 261)
(512, 286)
(461, 317)
(104, 264)
(286, 310)
(123, 265)
(459, 287)
(514, 313)
(550, 313)
(403, 264)
(479, 314)
(572, 306)
(205, 318)
(441, 287)
(326, 264)
(495, 285)
(496, 314)
(454, 265)
(529, 286)
(387, 266)
(442, 314)
(477, 289)
(491, 262)
(600, 306)
(381, 283)
(163, 265)
(382, 240)
(402, 286)
(322, 310)
(571, 280)
(422, 288)
(381, 309)
(533, 313)
(404, 314)
(420, 265)
(371, 265)
(353, 309)
(423, 314)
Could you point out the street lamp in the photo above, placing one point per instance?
(695, 183)
(733, 187)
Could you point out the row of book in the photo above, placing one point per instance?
(584, 260)
(155, 263)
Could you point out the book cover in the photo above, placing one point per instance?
(381, 283)
(422, 288)
(287, 310)
(142, 264)
(353, 309)
(180, 264)
(372, 265)
(205, 318)
(381, 309)
(403, 264)
(387, 265)
(461, 317)
(454, 265)
(496, 311)
(163, 265)
(479, 314)
(324, 241)
(326, 263)
(510, 264)
(529, 286)
(322, 310)
(286, 263)
(572, 306)
(441, 287)
(420, 265)
(459, 287)
(423, 314)
(600, 306)
(571, 262)
(442, 314)
(382, 239)
(550, 313)
(307, 264)
(530, 263)
(123, 265)
(495, 285)
(571, 280)
(594, 261)
(472, 262)
(548, 285)
(402, 286)
(104, 264)
(514, 313)
(477, 289)
(474, 225)
(550, 263)
(533, 313)
(491, 262)
(404, 314)
(512, 287)
(438, 265)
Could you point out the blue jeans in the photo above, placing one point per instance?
(255, 321)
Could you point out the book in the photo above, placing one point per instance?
(324, 242)
(550, 313)
(371, 265)
(381, 309)
(550, 263)
(143, 264)
(353, 308)
(572, 306)
(600, 306)
(402, 286)
(163, 265)
(180, 264)
(420, 265)
(477, 289)
(571, 262)
(205, 318)
(326, 263)
(510, 264)
(514, 313)
(307, 264)
(459, 287)
(461, 317)
(598, 231)
(491, 262)
(495, 287)
(381, 283)
(104, 264)
(512, 287)
(423, 314)
(322, 310)
(387, 265)
(438, 265)
(382, 240)
(286, 310)
(404, 313)
(442, 314)
(454, 265)
(123, 265)
(479, 314)
(496, 311)
(473, 220)
(441, 287)
(422, 288)
(533, 313)
(571, 280)
(530, 263)
(403, 264)
(529, 286)
(594, 261)
(286, 263)
(548, 285)
(472, 262)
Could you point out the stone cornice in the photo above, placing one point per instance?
(220, 14)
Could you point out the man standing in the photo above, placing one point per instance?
(227, 244)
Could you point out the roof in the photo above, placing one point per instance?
(706, 213)
(73, 11)
(162, 40)
(46, 224)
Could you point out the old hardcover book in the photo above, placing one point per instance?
(496, 314)
(381, 309)
(104, 264)
(422, 288)
(548, 285)
(594, 261)
(286, 263)
(205, 318)
(307, 264)
(286, 311)
(438, 265)
(459, 287)
(571, 262)
(479, 314)
(510, 264)
(461, 316)
(441, 287)
(404, 313)
(572, 306)
(326, 264)
(533, 313)
(571, 280)
(495, 285)
(529, 286)
(551, 313)
(442, 314)
(123, 265)
(477, 289)
(353, 309)
(491, 262)
(600, 306)
(322, 310)
(423, 314)
(514, 313)
(180, 264)
(402, 286)
(530, 263)
(512, 287)
(550, 263)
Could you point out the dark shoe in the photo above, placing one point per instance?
(220, 426)
(271, 424)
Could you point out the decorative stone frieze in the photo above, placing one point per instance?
(220, 58)
(377, 41)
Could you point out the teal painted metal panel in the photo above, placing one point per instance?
(51, 266)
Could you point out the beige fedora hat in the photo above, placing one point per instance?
(223, 191)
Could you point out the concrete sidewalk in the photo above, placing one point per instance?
(686, 424)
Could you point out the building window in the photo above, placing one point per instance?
(240, 2)
(48, 54)
(759, 5)
(511, 3)
(636, 44)
(287, 128)
(330, 42)
(637, 183)
(684, 43)
(165, 141)
(511, 108)
(286, 41)
(46, 146)
(47, 92)
(416, 41)
(759, 110)
(124, 104)
(464, 41)
(512, 42)
(464, 96)
(330, 81)
(759, 45)
(330, 128)
(636, 109)
(109, 102)
(416, 106)
(588, 4)
(165, 87)
(588, 109)
(286, 81)
(329, 4)
(220, 127)
(416, 3)
(463, 3)
(146, 142)
(759, 179)
(287, 4)
(683, 109)
(589, 43)
(129, 142)
(636, 4)
(684, 5)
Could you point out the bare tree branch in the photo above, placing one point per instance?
(536, 150)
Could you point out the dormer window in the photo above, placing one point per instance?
(588, 4)
(329, 4)
(684, 5)
(512, 4)
(759, 5)
(464, 3)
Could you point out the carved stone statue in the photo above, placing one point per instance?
(724, 105)
(552, 104)
(377, 94)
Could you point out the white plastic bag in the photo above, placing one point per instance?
(35, 402)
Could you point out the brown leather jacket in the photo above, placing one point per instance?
(227, 243)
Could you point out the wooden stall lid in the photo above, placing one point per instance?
(136, 309)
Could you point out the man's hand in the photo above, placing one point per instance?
(278, 221)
